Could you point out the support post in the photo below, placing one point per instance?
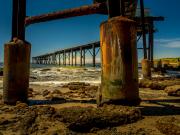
(21, 19)
(94, 55)
(16, 71)
(17, 58)
(119, 76)
(59, 59)
(151, 42)
(69, 59)
(143, 28)
(64, 58)
(84, 57)
(72, 57)
(15, 19)
(115, 8)
(146, 68)
(75, 58)
(81, 56)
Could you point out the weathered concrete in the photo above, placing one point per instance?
(146, 68)
(119, 62)
(16, 71)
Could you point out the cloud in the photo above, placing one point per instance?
(169, 43)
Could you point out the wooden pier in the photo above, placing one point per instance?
(68, 56)
(117, 44)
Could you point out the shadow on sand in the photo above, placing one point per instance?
(51, 102)
(161, 107)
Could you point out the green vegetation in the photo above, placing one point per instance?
(170, 59)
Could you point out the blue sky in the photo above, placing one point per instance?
(49, 36)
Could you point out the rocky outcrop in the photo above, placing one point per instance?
(85, 119)
(173, 90)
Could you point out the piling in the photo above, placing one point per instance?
(146, 68)
(81, 56)
(158, 65)
(94, 55)
(119, 76)
(16, 71)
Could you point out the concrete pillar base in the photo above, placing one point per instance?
(16, 71)
(146, 69)
(119, 78)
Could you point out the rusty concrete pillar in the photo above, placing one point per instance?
(146, 68)
(16, 71)
(119, 76)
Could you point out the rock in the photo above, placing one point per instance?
(168, 125)
(46, 110)
(27, 121)
(4, 121)
(75, 87)
(30, 90)
(90, 88)
(81, 119)
(56, 92)
(30, 95)
(154, 85)
(173, 90)
(45, 93)
(58, 98)
(45, 69)
(20, 107)
(33, 77)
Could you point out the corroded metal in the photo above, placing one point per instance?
(21, 19)
(80, 11)
(16, 71)
(119, 83)
(111, 7)
(14, 19)
(18, 19)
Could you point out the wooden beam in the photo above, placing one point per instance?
(97, 8)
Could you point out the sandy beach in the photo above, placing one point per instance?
(62, 101)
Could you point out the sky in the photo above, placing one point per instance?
(50, 36)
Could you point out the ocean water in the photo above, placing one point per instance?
(54, 71)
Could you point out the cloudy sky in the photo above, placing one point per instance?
(49, 36)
